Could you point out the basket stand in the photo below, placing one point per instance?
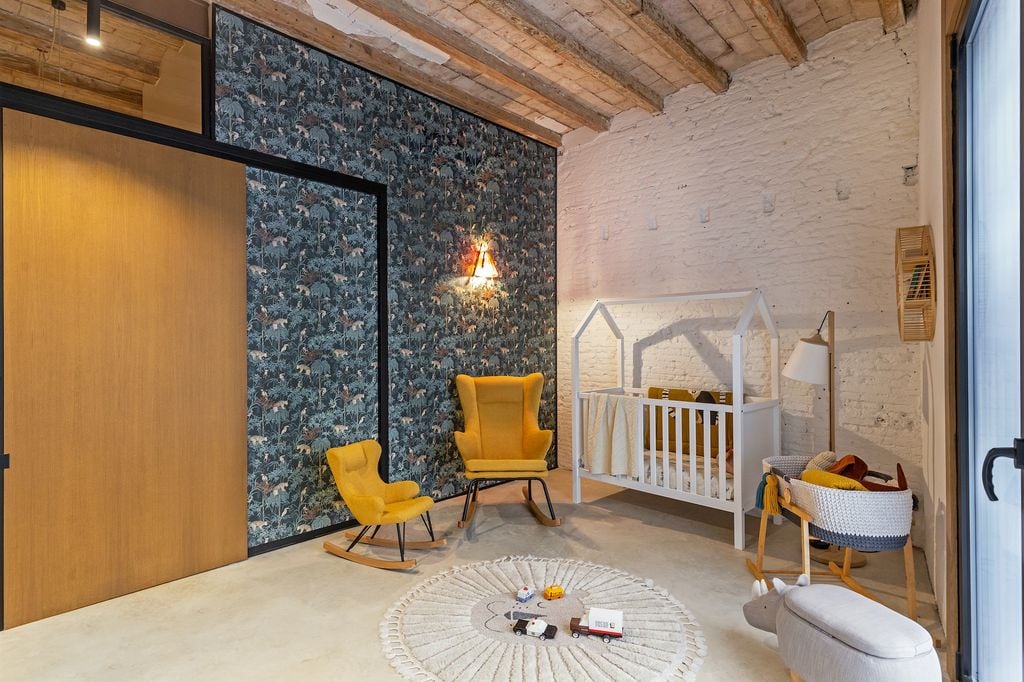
(758, 570)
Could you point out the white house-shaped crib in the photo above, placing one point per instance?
(662, 451)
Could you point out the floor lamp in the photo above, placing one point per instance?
(813, 362)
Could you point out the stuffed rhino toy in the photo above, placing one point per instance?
(763, 607)
(828, 633)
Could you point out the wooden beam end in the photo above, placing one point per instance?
(720, 85)
(780, 28)
(893, 14)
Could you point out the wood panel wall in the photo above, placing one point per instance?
(124, 365)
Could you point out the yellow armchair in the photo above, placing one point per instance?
(375, 503)
(502, 439)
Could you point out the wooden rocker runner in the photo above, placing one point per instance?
(503, 440)
(375, 503)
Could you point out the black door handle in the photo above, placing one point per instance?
(1016, 453)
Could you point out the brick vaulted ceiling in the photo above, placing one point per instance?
(546, 67)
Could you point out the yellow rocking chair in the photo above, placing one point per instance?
(375, 503)
(502, 440)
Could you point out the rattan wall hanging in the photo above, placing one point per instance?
(915, 283)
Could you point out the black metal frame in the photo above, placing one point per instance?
(400, 529)
(300, 537)
(205, 48)
(547, 494)
(474, 489)
(966, 492)
(964, 650)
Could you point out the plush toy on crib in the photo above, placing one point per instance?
(830, 634)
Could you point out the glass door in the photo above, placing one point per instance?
(989, 238)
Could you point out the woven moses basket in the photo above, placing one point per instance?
(869, 521)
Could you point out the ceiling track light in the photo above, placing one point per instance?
(92, 23)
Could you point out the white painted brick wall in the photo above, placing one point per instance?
(931, 39)
(792, 181)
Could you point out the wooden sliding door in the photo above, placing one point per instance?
(124, 365)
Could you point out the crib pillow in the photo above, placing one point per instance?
(664, 394)
(684, 395)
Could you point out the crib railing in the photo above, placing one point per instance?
(698, 459)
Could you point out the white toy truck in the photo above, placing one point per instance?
(604, 623)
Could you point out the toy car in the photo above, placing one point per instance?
(554, 592)
(606, 623)
(525, 594)
(535, 627)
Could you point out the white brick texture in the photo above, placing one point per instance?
(793, 181)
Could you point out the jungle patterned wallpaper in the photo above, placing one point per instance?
(312, 324)
(453, 181)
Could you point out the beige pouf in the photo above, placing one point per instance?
(829, 633)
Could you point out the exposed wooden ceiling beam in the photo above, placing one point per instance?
(66, 91)
(191, 15)
(514, 76)
(85, 88)
(40, 37)
(305, 27)
(781, 29)
(650, 21)
(549, 33)
(892, 14)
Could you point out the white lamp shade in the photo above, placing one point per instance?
(809, 362)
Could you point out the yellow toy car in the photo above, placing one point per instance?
(554, 592)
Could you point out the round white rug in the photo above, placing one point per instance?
(457, 625)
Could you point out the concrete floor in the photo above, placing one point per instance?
(301, 613)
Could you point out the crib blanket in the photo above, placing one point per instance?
(611, 441)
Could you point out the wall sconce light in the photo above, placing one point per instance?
(484, 268)
(92, 24)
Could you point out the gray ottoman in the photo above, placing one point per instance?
(832, 634)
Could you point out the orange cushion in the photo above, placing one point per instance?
(830, 480)
(498, 475)
(506, 465)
